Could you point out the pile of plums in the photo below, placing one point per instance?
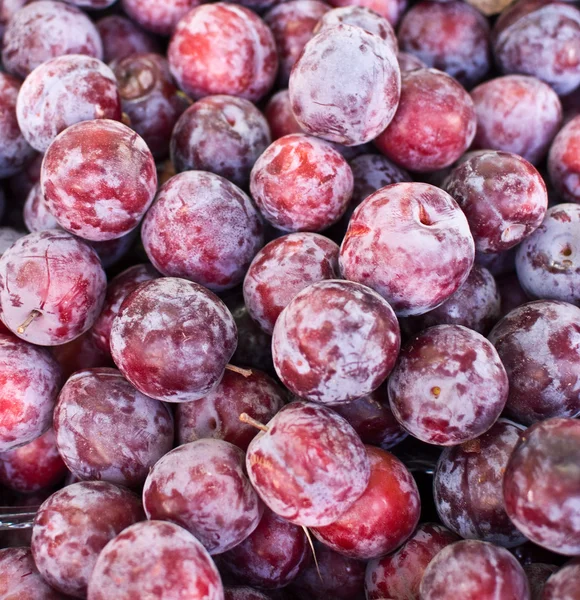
(290, 299)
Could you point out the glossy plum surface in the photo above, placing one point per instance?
(217, 415)
(434, 124)
(382, 518)
(271, 556)
(151, 100)
(399, 574)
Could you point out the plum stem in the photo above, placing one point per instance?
(309, 538)
(239, 370)
(245, 418)
(33, 314)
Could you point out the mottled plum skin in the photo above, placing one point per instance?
(449, 36)
(292, 24)
(301, 183)
(158, 16)
(64, 91)
(547, 262)
(223, 48)
(15, 151)
(563, 585)
(117, 290)
(280, 117)
(340, 578)
(362, 17)
(542, 485)
(271, 556)
(221, 134)
(503, 196)
(476, 305)
(217, 414)
(172, 339)
(319, 458)
(283, 268)
(563, 162)
(345, 86)
(541, 39)
(336, 341)
(537, 343)
(56, 275)
(372, 418)
(150, 99)
(43, 30)
(19, 577)
(480, 570)
(449, 385)
(202, 228)
(80, 354)
(202, 486)
(73, 526)
(154, 559)
(468, 487)
(399, 574)
(411, 243)
(121, 38)
(105, 429)
(34, 466)
(98, 178)
(538, 574)
(434, 124)
(382, 518)
(517, 114)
